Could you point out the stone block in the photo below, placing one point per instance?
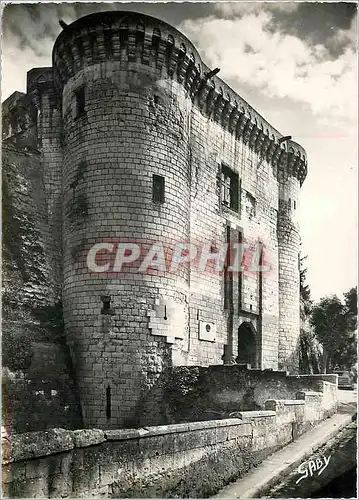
(37, 444)
(88, 437)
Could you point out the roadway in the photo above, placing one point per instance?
(286, 461)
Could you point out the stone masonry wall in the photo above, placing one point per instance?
(111, 200)
(199, 393)
(184, 460)
(41, 90)
(289, 296)
(38, 389)
(211, 146)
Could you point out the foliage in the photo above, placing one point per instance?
(51, 318)
(17, 351)
(305, 300)
(310, 353)
(334, 324)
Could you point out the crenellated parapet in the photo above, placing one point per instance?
(126, 37)
(129, 37)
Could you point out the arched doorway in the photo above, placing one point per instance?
(247, 344)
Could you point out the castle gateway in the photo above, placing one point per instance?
(137, 142)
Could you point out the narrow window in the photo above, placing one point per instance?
(227, 278)
(230, 188)
(240, 276)
(80, 101)
(106, 305)
(158, 188)
(294, 204)
(108, 402)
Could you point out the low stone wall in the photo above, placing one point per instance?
(205, 393)
(182, 460)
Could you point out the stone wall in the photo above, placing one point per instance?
(198, 393)
(38, 387)
(182, 460)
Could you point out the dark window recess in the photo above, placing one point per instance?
(240, 273)
(294, 204)
(227, 277)
(80, 101)
(158, 189)
(108, 402)
(106, 305)
(229, 188)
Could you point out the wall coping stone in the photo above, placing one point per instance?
(36, 444)
(287, 402)
(88, 437)
(330, 378)
(311, 393)
(305, 394)
(124, 434)
(249, 415)
(160, 430)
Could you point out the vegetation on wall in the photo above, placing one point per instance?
(51, 319)
(77, 208)
(17, 352)
(23, 253)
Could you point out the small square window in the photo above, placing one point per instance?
(80, 101)
(158, 188)
(229, 188)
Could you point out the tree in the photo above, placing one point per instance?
(304, 287)
(309, 348)
(351, 302)
(334, 324)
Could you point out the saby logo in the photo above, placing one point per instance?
(308, 468)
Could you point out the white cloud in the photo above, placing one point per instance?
(235, 9)
(15, 65)
(280, 65)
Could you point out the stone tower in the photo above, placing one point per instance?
(288, 262)
(124, 108)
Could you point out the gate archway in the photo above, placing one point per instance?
(247, 352)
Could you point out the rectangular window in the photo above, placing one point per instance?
(80, 101)
(230, 188)
(158, 188)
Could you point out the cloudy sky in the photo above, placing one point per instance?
(295, 62)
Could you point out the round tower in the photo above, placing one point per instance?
(126, 82)
(292, 165)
